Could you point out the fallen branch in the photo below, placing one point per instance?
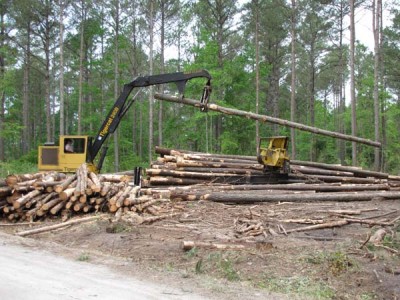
(319, 226)
(188, 245)
(57, 226)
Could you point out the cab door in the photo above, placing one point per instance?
(72, 152)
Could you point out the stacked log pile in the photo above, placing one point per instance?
(186, 175)
(183, 175)
(36, 196)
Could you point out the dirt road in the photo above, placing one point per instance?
(28, 273)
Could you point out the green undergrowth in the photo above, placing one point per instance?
(17, 167)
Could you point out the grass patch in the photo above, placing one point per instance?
(119, 227)
(192, 253)
(337, 262)
(302, 286)
(169, 267)
(225, 265)
(84, 256)
(221, 264)
(392, 241)
(199, 266)
(17, 167)
(368, 296)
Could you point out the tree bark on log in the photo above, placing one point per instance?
(21, 201)
(115, 178)
(59, 188)
(188, 245)
(183, 174)
(264, 118)
(5, 191)
(356, 171)
(356, 196)
(67, 193)
(96, 187)
(332, 179)
(324, 187)
(13, 179)
(189, 163)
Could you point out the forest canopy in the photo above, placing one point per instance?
(64, 63)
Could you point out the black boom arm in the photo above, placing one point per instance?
(122, 104)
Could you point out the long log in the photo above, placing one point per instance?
(210, 164)
(318, 171)
(356, 171)
(356, 196)
(188, 245)
(183, 174)
(320, 226)
(320, 188)
(243, 171)
(330, 179)
(264, 118)
(170, 151)
(243, 194)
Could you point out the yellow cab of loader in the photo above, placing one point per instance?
(67, 156)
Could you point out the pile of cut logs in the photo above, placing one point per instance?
(189, 175)
(35, 196)
(183, 175)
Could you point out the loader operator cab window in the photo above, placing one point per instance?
(74, 145)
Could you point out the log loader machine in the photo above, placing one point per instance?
(60, 158)
(272, 154)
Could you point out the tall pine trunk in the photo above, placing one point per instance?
(161, 88)
(61, 45)
(352, 84)
(116, 77)
(27, 130)
(341, 102)
(46, 41)
(293, 79)
(257, 46)
(81, 57)
(376, 16)
(151, 96)
(2, 73)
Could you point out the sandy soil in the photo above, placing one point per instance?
(32, 273)
(330, 263)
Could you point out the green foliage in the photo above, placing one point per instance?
(299, 286)
(25, 164)
(84, 256)
(336, 262)
(223, 42)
